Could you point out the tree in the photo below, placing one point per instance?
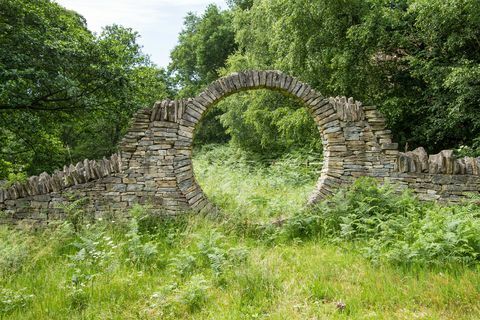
(240, 4)
(66, 94)
(203, 47)
(135, 83)
(417, 60)
(268, 123)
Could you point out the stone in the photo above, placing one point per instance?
(118, 187)
(459, 166)
(449, 161)
(436, 163)
(403, 163)
(422, 157)
(389, 146)
(154, 166)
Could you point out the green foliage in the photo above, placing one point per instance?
(385, 225)
(12, 173)
(240, 4)
(210, 129)
(415, 60)
(12, 177)
(308, 264)
(256, 287)
(209, 252)
(94, 250)
(140, 253)
(14, 252)
(13, 299)
(249, 187)
(392, 227)
(66, 94)
(75, 213)
(175, 301)
(194, 295)
(267, 122)
(184, 263)
(94, 255)
(469, 151)
(203, 47)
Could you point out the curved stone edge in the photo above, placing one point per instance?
(148, 156)
(155, 166)
(359, 146)
(331, 115)
(226, 86)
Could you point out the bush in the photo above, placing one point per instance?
(394, 227)
(75, 214)
(194, 294)
(11, 300)
(210, 251)
(139, 252)
(14, 251)
(174, 301)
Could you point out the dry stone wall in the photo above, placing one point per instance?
(439, 176)
(154, 164)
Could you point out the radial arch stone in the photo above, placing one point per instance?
(154, 162)
(343, 126)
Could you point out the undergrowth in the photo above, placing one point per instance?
(397, 228)
(248, 188)
(365, 253)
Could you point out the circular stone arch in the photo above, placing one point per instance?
(320, 108)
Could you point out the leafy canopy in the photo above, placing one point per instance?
(65, 93)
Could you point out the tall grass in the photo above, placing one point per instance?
(345, 259)
(244, 185)
(397, 228)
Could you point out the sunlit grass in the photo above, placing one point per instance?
(209, 268)
(241, 186)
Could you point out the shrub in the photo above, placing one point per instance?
(11, 300)
(14, 251)
(391, 226)
(94, 255)
(173, 301)
(74, 212)
(78, 298)
(139, 252)
(184, 263)
(194, 294)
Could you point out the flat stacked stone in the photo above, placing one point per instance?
(154, 164)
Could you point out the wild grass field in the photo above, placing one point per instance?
(366, 253)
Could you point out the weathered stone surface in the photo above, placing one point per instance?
(421, 157)
(436, 163)
(154, 162)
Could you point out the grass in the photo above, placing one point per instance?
(236, 266)
(245, 185)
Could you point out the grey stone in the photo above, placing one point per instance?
(422, 157)
(153, 164)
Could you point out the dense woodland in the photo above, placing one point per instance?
(68, 94)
